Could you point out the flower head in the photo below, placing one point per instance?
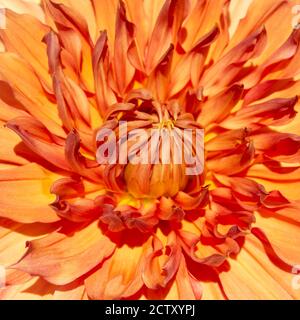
(81, 80)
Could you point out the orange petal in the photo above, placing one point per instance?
(116, 279)
(35, 289)
(13, 237)
(284, 278)
(29, 92)
(219, 106)
(75, 37)
(15, 204)
(256, 15)
(161, 266)
(232, 62)
(283, 235)
(105, 96)
(185, 286)
(19, 38)
(72, 254)
(105, 12)
(202, 17)
(123, 71)
(189, 66)
(238, 160)
(277, 61)
(8, 152)
(277, 178)
(75, 291)
(31, 7)
(73, 105)
(278, 146)
(40, 140)
(247, 279)
(161, 37)
(273, 112)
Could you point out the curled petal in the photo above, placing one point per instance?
(161, 266)
(190, 202)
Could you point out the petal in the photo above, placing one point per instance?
(105, 96)
(283, 235)
(39, 140)
(19, 38)
(161, 37)
(8, 152)
(116, 279)
(184, 286)
(277, 61)
(74, 35)
(284, 278)
(61, 258)
(31, 7)
(274, 112)
(202, 17)
(89, 15)
(36, 289)
(29, 92)
(69, 292)
(278, 146)
(161, 264)
(13, 241)
(238, 160)
(247, 279)
(123, 71)
(29, 207)
(212, 291)
(277, 178)
(188, 66)
(105, 12)
(216, 108)
(73, 105)
(266, 88)
(257, 13)
(231, 63)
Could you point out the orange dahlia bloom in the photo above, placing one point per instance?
(72, 228)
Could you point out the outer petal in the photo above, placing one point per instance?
(61, 258)
(19, 38)
(283, 235)
(13, 243)
(40, 140)
(29, 92)
(273, 112)
(284, 179)
(247, 279)
(32, 205)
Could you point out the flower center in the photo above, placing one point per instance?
(153, 149)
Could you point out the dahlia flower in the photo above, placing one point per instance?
(74, 228)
